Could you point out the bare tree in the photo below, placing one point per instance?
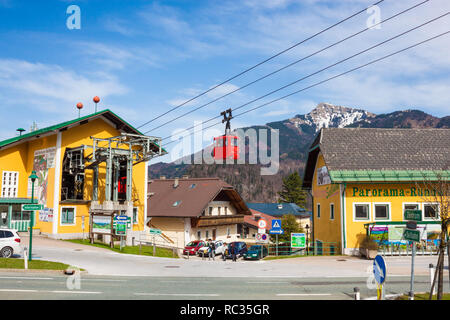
(435, 191)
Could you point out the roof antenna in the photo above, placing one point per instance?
(20, 131)
(79, 106)
(96, 100)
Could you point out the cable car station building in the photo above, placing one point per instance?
(362, 179)
(93, 165)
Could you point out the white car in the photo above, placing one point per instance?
(9, 243)
(219, 249)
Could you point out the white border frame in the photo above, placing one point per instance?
(74, 216)
(438, 213)
(354, 211)
(382, 203)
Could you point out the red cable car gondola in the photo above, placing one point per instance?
(226, 146)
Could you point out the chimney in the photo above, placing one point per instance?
(175, 184)
(162, 177)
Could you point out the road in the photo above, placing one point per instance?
(112, 275)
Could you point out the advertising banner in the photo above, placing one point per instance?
(101, 224)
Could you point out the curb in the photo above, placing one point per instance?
(63, 272)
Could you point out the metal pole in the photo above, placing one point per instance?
(276, 245)
(31, 222)
(413, 253)
(431, 276)
(357, 293)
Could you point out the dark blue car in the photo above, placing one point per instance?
(241, 250)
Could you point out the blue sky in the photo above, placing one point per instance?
(144, 57)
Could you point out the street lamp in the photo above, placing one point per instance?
(307, 239)
(33, 178)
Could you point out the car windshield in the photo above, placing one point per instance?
(191, 244)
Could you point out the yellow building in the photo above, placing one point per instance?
(93, 164)
(362, 181)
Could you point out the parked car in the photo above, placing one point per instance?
(219, 248)
(241, 246)
(9, 243)
(192, 247)
(254, 252)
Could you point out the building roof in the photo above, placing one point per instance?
(254, 218)
(279, 209)
(107, 114)
(190, 197)
(379, 154)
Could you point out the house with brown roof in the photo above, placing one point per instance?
(195, 209)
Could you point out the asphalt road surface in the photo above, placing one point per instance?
(112, 275)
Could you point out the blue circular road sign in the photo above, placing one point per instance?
(379, 269)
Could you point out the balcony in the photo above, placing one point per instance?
(210, 221)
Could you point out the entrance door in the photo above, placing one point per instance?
(3, 216)
(214, 234)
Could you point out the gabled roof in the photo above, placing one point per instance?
(278, 209)
(190, 197)
(107, 114)
(379, 154)
(254, 218)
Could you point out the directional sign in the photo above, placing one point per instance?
(298, 240)
(32, 207)
(276, 231)
(155, 231)
(412, 235)
(276, 224)
(379, 269)
(415, 215)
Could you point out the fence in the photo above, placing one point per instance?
(20, 225)
(320, 249)
(406, 249)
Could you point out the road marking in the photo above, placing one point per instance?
(26, 278)
(303, 294)
(267, 282)
(178, 294)
(83, 292)
(17, 290)
(115, 280)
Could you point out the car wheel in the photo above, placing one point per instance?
(6, 252)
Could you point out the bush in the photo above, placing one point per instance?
(369, 243)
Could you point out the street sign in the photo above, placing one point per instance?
(32, 207)
(262, 238)
(276, 224)
(276, 231)
(262, 223)
(155, 231)
(121, 224)
(411, 235)
(261, 230)
(411, 225)
(415, 215)
(379, 269)
(298, 240)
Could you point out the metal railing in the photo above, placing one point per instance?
(20, 225)
(322, 249)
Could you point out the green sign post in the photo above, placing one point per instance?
(413, 215)
(298, 240)
(411, 235)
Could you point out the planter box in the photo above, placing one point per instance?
(368, 253)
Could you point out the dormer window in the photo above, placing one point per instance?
(176, 203)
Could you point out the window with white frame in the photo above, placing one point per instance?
(382, 211)
(332, 211)
(218, 210)
(135, 215)
(10, 184)
(199, 235)
(430, 211)
(210, 211)
(361, 211)
(226, 210)
(67, 215)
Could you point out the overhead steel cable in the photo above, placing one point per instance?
(289, 65)
(323, 81)
(325, 68)
(260, 63)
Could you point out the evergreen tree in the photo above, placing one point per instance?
(292, 191)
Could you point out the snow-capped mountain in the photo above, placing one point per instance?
(326, 115)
